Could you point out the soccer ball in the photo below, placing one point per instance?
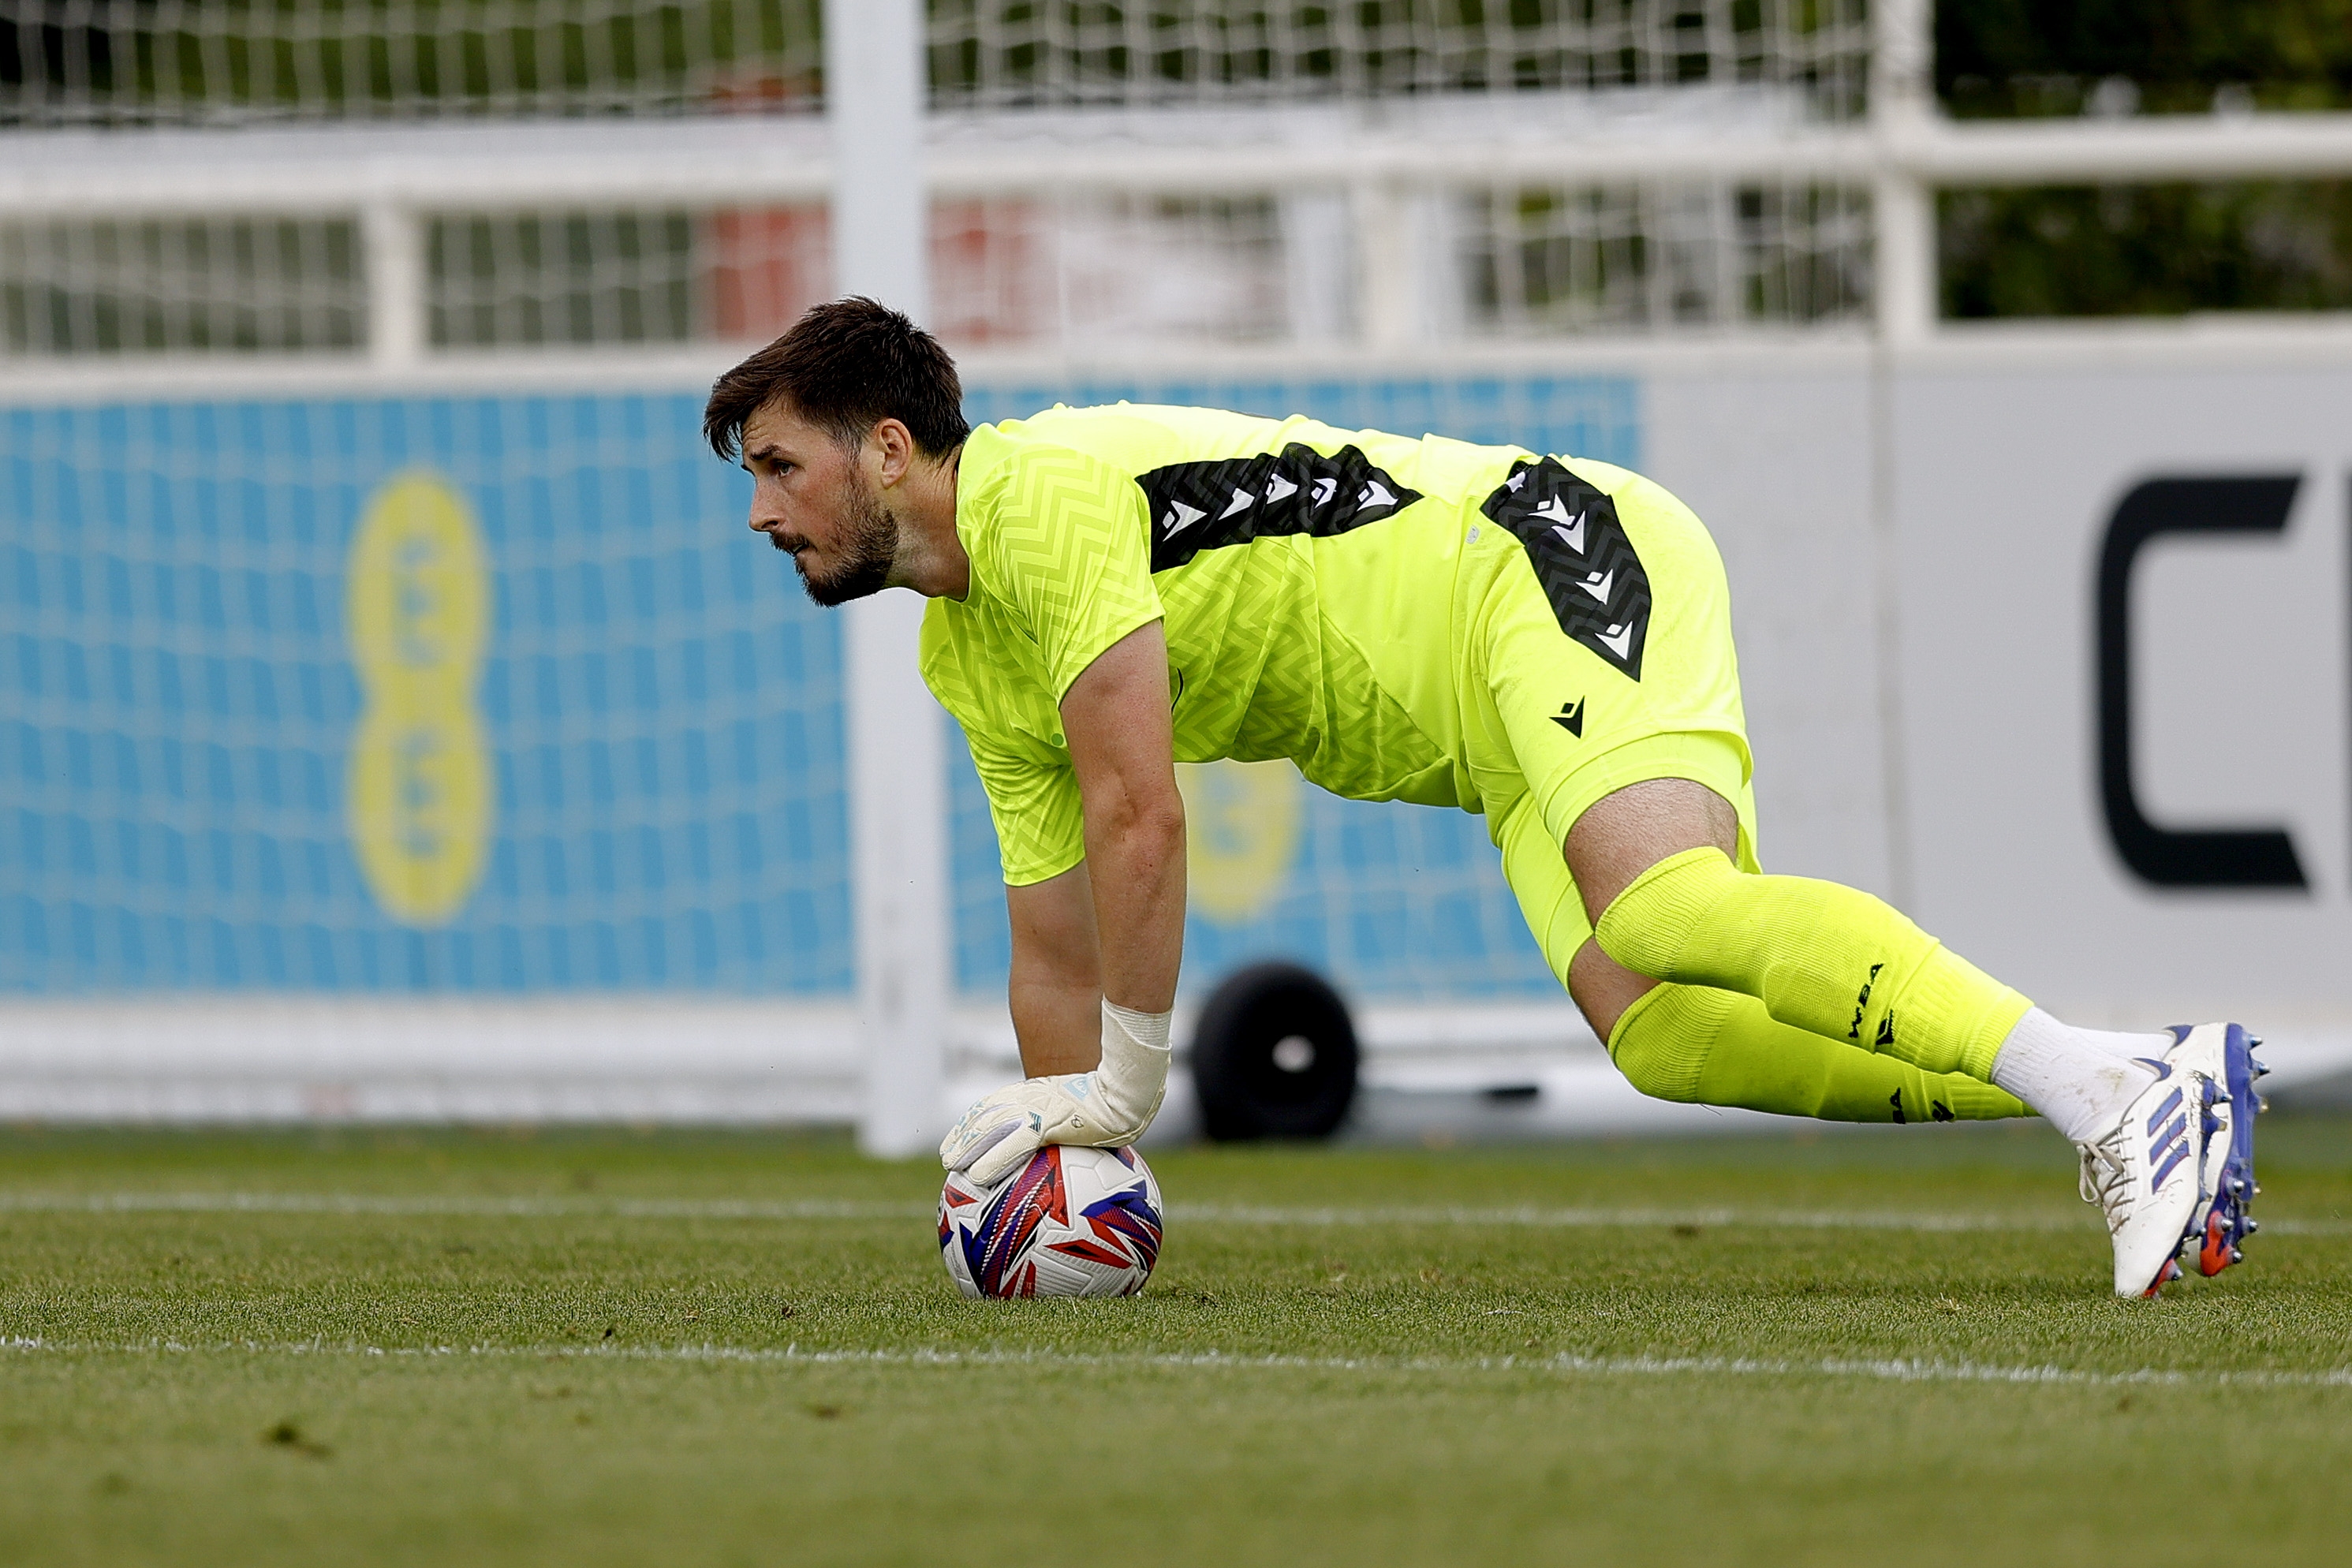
(1073, 1222)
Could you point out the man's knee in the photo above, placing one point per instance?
(1604, 989)
(1652, 925)
(1625, 833)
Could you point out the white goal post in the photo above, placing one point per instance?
(898, 766)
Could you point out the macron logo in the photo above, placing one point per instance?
(1570, 530)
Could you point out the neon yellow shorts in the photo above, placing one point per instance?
(1596, 653)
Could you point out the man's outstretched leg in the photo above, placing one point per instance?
(1707, 1047)
(1699, 1044)
(1667, 903)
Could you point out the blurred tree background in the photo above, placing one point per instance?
(2010, 57)
(2149, 250)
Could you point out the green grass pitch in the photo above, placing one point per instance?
(589, 1348)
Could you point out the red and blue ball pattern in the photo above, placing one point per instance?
(1072, 1222)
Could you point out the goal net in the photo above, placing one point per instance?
(137, 62)
(309, 310)
(1315, 238)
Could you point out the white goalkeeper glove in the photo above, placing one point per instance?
(1104, 1109)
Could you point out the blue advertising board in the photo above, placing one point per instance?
(491, 695)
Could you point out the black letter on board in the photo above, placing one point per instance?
(2169, 857)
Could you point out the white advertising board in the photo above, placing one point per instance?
(2125, 614)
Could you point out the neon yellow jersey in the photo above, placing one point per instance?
(1303, 574)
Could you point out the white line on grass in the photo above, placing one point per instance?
(1196, 1214)
(430, 1205)
(1722, 1218)
(1890, 1369)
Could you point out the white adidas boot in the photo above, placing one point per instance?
(2144, 1170)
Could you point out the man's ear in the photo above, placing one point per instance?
(895, 444)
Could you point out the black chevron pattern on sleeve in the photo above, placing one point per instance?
(1232, 501)
(1587, 568)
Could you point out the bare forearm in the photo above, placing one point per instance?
(1122, 753)
(1135, 859)
(1059, 1022)
(1057, 980)
(1062, 930)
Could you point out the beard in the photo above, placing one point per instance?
(868, 548)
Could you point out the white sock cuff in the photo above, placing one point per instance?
(2077, 1085)
(1148, 1030)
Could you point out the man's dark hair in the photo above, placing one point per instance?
(845, 367)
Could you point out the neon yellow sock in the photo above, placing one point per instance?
(1827, 959)
(1698, 1043)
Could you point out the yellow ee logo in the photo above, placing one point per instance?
(416, 609)
(1241, 832)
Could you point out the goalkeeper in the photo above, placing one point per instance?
(1544, 640)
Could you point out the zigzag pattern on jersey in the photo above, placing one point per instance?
(1232, 501)
(1066, 551)
(1581, 554)
(1034, 802)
